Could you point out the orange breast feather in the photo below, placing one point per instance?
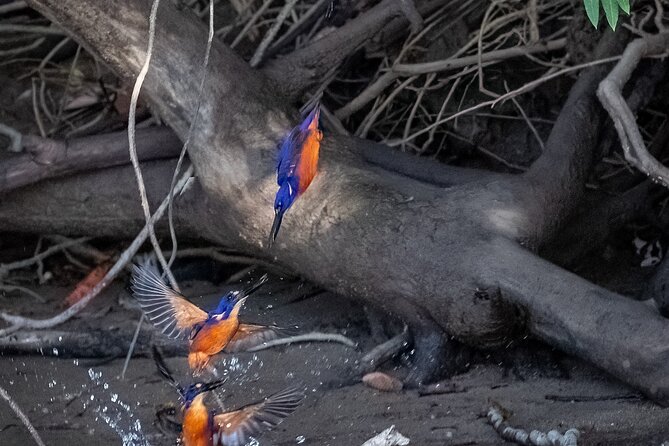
(196, 431)
(308, 164)
(213, 337)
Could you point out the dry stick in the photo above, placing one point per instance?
(610, 95)
(22, 49)
(15, 138)
(6, 267)
(533, 16)
(408, 8)
(19, 413)
(385, 351)
(19, 322)
(249, 24)
(533, 438)
(11, 28)
(527, 120)
(307, 337)
(14, 6)
(133, 148)
(27, 291)
(441, 65)
(460, 62)
(295, 28)
(205, 63)
(132, 345)
(524, 89)
(271, 34)
(38, 117)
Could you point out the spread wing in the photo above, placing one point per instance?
(235, 428)
(250, 335)
(166, 309)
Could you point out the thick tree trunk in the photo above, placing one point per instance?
(451, 251)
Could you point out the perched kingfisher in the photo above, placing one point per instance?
(208, 333)
(297, 166)
(201, 427)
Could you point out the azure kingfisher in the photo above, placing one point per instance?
(208, 333)
(297, 166)
(201, 427)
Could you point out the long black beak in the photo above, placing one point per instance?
(276, 225)
(206, 387)
(253, 288)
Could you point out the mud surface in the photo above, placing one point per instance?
(84, 400)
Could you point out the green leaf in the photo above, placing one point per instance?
(624, 5)
(611, 11)
(592, 10)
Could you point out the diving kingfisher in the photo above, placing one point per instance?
(201, 427)
(208, 333)
(297, 166)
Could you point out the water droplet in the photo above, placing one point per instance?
(300, 439)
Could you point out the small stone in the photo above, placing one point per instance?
(382, 381)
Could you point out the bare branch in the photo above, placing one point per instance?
(610, 95)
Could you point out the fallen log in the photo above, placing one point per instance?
(450, 259)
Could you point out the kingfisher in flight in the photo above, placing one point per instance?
(208, 333)
(201, 427)
(297, 166)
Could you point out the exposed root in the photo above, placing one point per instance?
(385, 351)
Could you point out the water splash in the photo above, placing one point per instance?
(114, 412)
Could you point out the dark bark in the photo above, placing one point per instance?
(452, 253)
(47, 158)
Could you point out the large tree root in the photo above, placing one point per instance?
(458, 253)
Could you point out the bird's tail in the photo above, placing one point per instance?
(276, 225)
(164, 370)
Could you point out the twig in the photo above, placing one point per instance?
(29, 292)
(22, 49)
(527, 120)
(455, 63)
(385, 351)
(534, 438)
(15, 138)
(249, 23)
(19, 413)
(38, 116)
(307, 337)
(13, 6)
(35, 29)
(19, 322)
(521, 90)
(132, 344)
(610, 95)
(6, 267)
(193, 123)
(408, 8)
(133, 147)
(269, 37)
